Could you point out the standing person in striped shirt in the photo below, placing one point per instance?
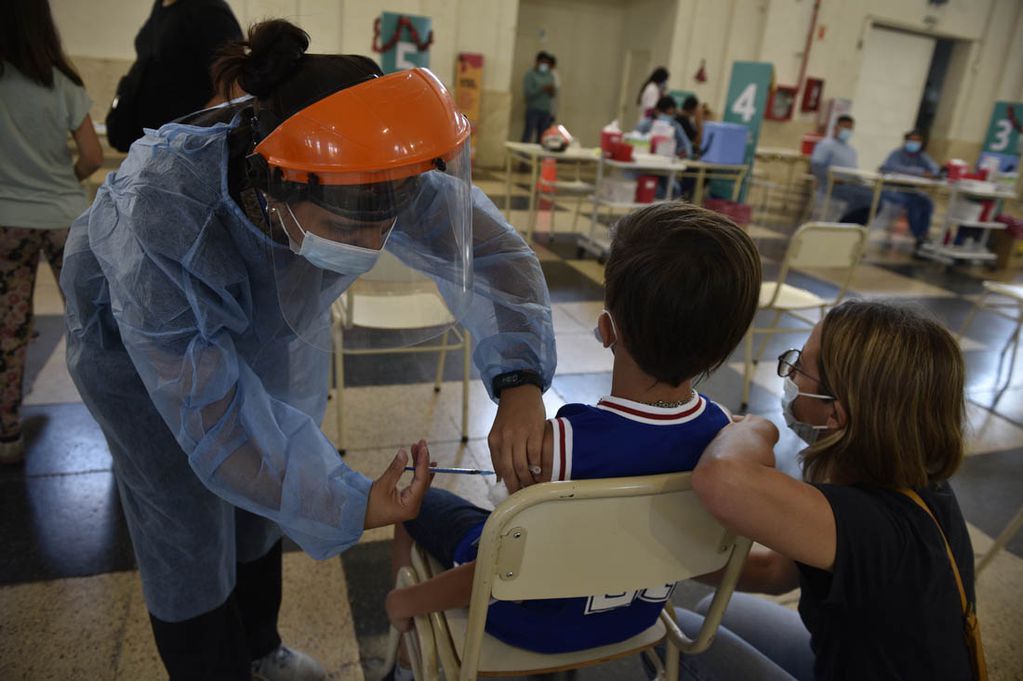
(682, 285)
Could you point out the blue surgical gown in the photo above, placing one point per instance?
(210, 403)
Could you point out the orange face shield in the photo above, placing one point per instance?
(386, 129)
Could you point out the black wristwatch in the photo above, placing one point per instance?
(513, 379)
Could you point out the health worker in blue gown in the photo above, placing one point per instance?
(199, 289)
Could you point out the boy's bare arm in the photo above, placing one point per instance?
(450, 589)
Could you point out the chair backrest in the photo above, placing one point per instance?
(826, 245)
(593, 537)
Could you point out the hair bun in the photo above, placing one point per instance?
(275, 49)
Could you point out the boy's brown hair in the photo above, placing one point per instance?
(901, 378)
(682, 284)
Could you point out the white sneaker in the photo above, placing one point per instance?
(12, 452)
(285, 664)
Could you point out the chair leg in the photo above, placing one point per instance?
(671, 654)
(578, 209)
(969, 317)
(339, 388)
(763, 343)
(440, 361)
(1003, 538)
(466, 368)
(1014, 342)
(747, 374)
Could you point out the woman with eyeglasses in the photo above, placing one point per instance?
(877, 394)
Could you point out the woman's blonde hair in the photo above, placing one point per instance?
(900, 377)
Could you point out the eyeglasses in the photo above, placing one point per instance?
(788, 364)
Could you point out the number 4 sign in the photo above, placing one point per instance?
(747, 100)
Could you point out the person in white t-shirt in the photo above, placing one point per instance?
(42, 101)
(653, 89)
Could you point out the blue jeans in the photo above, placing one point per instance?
(918, 207)
(444, 519)
(757, 639)
(537, 120)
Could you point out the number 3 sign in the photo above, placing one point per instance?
(1004, 130)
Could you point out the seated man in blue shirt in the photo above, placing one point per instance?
(836, 151)
(910, 159)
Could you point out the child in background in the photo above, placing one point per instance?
(682, 285)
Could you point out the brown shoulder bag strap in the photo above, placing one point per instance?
(971, 627)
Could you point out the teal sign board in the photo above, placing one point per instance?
(1003, 132)
(403, 41)
(746, 102)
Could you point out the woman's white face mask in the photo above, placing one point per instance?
(335, 256)
(806, 432)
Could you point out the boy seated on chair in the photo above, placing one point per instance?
(682, 285)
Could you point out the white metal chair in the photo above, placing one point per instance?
(393, 308)
(1007, 297)
(815, 244)
(575, 539)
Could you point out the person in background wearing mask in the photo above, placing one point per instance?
(539, 88)
(665, 111)
(199, 291)
(877, 393)
(655, 87)
(910, 159)
(836, 151)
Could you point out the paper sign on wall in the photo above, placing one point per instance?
(403, 41)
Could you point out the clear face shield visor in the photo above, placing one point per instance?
(384, 262)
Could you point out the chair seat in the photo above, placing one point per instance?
(1008, 290)
(498, 658)
(404, 311)
(789, 298)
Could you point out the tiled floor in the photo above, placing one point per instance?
(70, 602)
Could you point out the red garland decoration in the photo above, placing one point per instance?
(403, 22)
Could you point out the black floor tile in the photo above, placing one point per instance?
(563, 245)
(62, 526)
(59, 439)
(402, 368)
(569, 285)
(990, 494)
(367, 569)
(938, 275)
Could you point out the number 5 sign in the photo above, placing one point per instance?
(747, 100)
(1004, 130)
(403, 41)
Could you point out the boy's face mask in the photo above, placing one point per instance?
(845, 134)
(913, 146)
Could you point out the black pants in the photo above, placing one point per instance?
(221, 644)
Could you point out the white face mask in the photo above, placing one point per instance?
(806, 432)
(544, 68)
(596, 330)
(335, 256)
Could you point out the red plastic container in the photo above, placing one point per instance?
(622, 152)
(809, 141)
(646, 189)
(608, 140)
(956, 169)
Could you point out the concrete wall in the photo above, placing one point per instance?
(590, 38)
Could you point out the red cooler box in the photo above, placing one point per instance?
(646, 188)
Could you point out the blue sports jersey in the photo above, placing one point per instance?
(616, 438)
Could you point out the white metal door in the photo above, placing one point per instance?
(892, 78)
